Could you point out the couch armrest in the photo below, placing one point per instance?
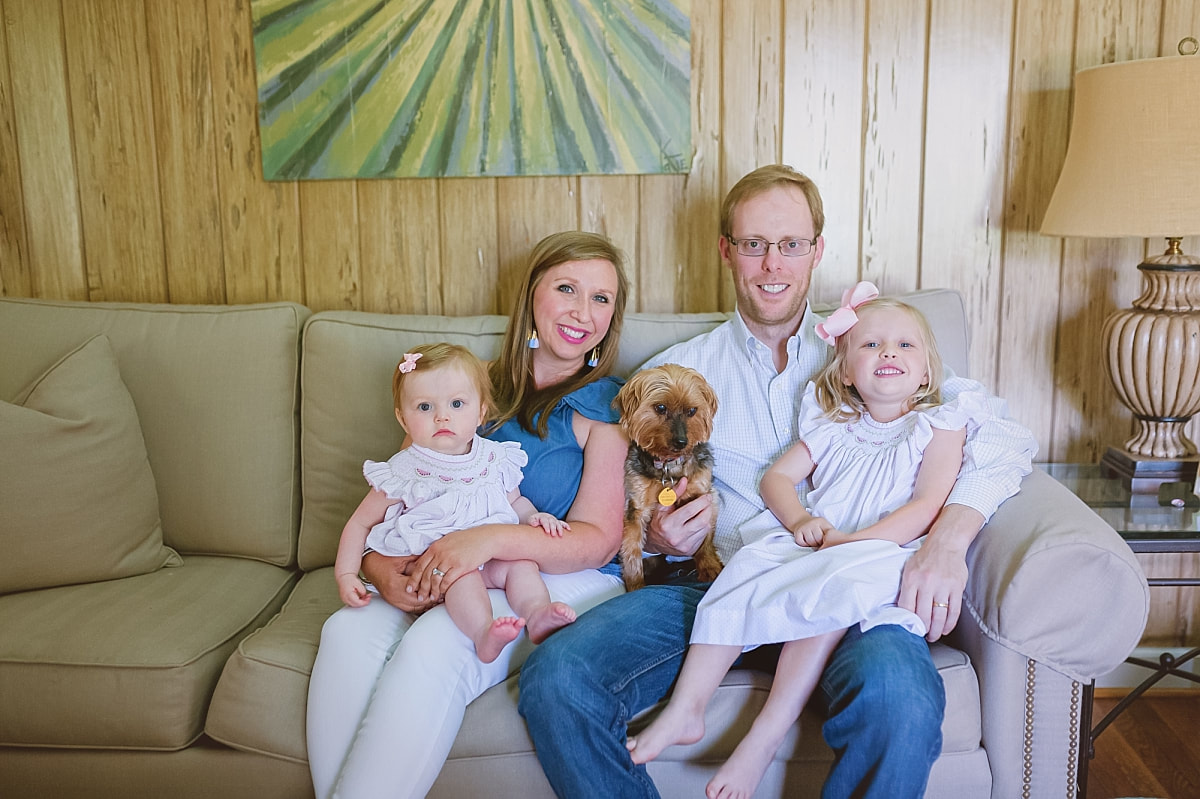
(1054, 583)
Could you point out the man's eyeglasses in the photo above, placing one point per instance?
(793, 248)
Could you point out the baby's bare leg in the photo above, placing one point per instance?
(526, 591)
(800, 666)
(682, 720)
(469, 606)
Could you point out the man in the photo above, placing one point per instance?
(581, 687)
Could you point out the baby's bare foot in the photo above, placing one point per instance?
(546, 620)
(497, 636)
(739, 776)
(673, 726)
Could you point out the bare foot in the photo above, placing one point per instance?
(546, 620)
(674, 725)
(739, 776)
(499, 633)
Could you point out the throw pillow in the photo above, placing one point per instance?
(78, 502)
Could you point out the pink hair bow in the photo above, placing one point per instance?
(409, 363)
(844, 317)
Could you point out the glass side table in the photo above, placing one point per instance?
(1147, 526)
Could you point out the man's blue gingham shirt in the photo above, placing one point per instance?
(759, 410)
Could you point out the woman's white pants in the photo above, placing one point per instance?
(389, 689)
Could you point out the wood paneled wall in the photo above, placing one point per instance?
(130, 170)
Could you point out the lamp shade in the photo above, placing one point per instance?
(1133, 159)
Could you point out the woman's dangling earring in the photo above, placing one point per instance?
(533, 340)
(595, 358)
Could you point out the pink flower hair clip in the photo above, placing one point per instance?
(409, 363)
(844, 317)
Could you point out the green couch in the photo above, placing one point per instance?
(157, 630)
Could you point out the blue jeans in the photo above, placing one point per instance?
(582, 686)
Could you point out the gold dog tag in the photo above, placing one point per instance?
(667, 497)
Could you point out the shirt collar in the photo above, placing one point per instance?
(806, 335)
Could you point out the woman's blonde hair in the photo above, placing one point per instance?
(434, 356)
(834, 396)
(512, 372)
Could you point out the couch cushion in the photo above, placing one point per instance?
(127, 663)
(260, 701)
(77, 497)
(215, 391)
(346, 407)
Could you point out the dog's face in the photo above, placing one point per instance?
(667, 410)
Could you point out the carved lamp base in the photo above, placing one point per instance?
(1154, 363)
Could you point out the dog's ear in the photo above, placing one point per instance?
(630, 395)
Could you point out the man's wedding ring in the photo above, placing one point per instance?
(438, 572)
(935, 604)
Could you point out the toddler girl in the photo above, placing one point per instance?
(883, 454)
(450, 478)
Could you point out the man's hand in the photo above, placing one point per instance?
(390, 578)
(936, 575)
(680, 530)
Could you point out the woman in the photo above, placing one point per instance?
(382, 717)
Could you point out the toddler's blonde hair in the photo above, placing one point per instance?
(833, 395)
(434, 356)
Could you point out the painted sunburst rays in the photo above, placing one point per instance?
(392, 88)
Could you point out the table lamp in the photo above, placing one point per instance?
(1133, 169)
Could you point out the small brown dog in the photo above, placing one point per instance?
(667, 412)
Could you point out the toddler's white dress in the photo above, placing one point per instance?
(442, 493)
(774, 590)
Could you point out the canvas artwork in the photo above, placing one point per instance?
(444, 88)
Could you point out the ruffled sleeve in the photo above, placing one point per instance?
(969, 409)
(510, 463)
(397, 479)
(594, 400)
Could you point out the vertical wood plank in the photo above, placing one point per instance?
(108, 69)
(605, 208)
(329, 241)
(49, 176)
(14, 266)
(824, 47)
(470, 267)
(752, 85)
(260, 222)
(963, 192)
(1099, 275)
(183, 116)
(703, 190)
(399, 245)
(661, 274)
(528, 210)
(1039, 120)
(892, 146)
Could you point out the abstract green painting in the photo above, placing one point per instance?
(444, 88)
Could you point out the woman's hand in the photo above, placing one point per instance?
(447, 559)
(390, 577)
(680, 530)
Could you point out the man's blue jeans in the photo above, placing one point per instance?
(580, 688)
